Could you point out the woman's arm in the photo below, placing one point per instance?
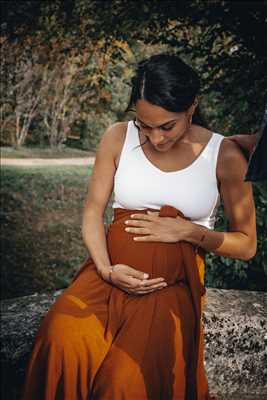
(99, 191)
(237, 196)
(239, 242)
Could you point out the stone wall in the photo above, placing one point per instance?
(235, 336)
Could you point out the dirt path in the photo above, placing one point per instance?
(34, 162)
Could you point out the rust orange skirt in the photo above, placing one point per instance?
(98, 342)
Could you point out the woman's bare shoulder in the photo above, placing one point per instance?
(116, 130)
(114, 136)
(232, 163)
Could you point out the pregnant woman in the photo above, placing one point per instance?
(129, 325)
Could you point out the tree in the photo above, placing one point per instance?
(226, 41)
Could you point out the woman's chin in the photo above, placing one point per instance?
(163, 147)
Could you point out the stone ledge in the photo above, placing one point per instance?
(235, 340)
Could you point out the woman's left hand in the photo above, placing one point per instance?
(157, 229)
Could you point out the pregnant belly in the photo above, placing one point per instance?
(158, 259)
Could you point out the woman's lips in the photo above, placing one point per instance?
(161, 144)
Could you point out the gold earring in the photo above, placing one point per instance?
(190, 120)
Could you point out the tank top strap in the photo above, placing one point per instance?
(130, 142)
(131, 138)
(212, 151)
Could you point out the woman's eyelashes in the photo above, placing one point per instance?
(167, 128)
(163, 128)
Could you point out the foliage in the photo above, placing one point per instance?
(20, 93)
(47, 95)
(88, 50)
(67, 86)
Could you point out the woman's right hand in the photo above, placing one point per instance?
(133, 281)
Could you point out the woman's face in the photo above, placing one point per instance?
(161, 127)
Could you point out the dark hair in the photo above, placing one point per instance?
(166, 81)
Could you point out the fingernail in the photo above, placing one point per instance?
(146, 276)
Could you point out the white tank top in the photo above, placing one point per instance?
(139, 184)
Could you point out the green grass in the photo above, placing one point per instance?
(41, 238)
(49, 187)
(46, 152)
